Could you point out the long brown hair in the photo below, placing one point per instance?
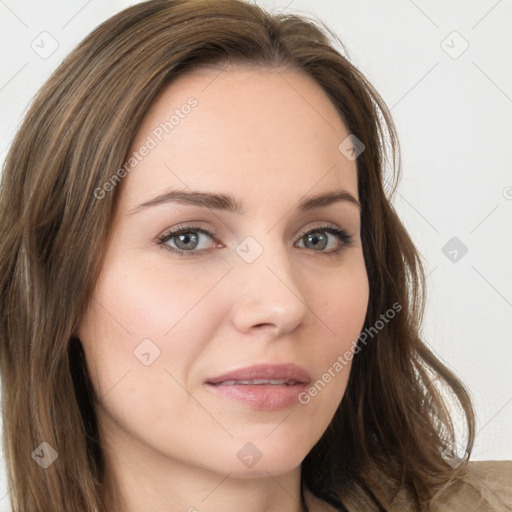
(392, 430)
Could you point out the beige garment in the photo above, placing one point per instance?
(487, 487)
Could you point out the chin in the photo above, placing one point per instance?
(263, 470)
(259, 458)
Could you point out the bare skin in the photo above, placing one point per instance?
(270, 139)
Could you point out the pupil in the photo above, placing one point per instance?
(318, 240)
(184, 239)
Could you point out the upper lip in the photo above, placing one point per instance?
(287, 372)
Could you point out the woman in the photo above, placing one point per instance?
(208, 301)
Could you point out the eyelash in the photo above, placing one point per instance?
(342, 235)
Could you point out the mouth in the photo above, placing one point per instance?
(264, 374)
(262, 387)
(257, 382)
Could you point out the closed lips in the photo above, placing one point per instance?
(264, 374)
(257, 382)
(262, 387)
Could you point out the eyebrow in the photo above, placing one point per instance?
(228, 203)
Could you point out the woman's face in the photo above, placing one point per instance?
(263, 278)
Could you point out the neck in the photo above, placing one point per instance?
(136, 482)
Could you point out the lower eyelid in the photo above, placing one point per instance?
(163, 239)
(340, 234)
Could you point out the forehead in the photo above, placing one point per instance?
(242, 129)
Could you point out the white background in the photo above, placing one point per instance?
(453, 114)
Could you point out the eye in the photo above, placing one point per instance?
(192, 240)
(186, 240)
(330, 237)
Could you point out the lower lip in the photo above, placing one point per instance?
(263, 397)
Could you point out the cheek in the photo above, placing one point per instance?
(145, 319)
(155, 300)
(172, 314)
(141, 337)
(152, 302)
(163, 317)
(340, 307)
(341, 304)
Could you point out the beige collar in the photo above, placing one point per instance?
(484, 487)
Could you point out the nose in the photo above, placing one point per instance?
(267, 296)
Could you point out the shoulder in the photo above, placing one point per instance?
(486, 486)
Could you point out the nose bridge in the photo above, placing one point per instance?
(268, 291)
